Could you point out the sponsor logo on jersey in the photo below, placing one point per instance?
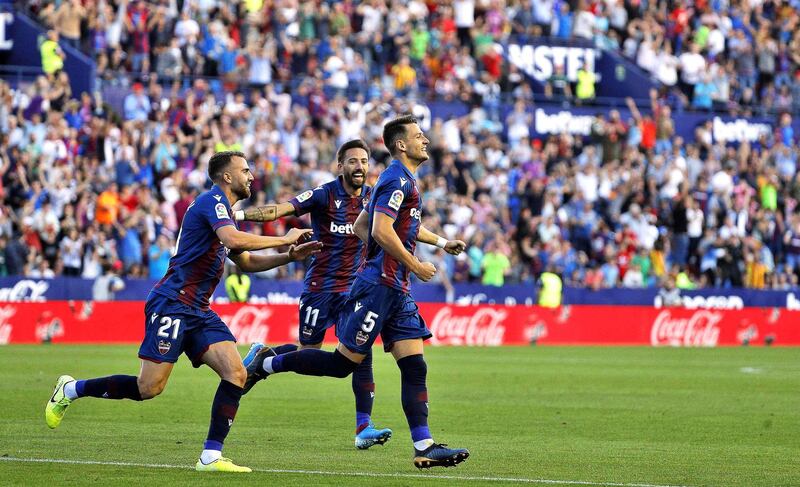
(396, 200)
(307, 331)
(403, 181)
(218, 197)
(338, 203)
(361, 338)
(358, 305)
(153, 317)
(346, 229)
(304, 196)
(222, 212)
(164, 346)
(416, 213)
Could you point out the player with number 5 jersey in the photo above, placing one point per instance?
(177, 314)
(334, 207)
(380, 303)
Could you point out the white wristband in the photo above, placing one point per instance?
(238, 215)
(441, 242)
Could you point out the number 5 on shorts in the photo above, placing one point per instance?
(167, 322)
(369, 322)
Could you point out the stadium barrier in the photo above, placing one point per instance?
(263, 291)
(481, 325)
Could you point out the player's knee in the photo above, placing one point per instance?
(343, 366)
(413, 368)
(149, 389)
(237, 376)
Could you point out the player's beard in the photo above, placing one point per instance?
(348, 177)
(242, 192)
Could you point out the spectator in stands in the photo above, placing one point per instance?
(495, 264)
(109, 283)
(52, 55)
(67, 18)
(237, 286)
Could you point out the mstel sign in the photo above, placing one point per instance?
(477, 325)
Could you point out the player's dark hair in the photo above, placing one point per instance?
(219, 162)
(395, 130)
(351, 144)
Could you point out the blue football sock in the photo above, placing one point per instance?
(111, 387)
(414, 395)
(223, 411)
(364, 391)
(311, 361)
(281, 349)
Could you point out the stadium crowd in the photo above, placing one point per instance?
(87, 188)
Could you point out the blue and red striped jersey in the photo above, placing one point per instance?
(396, 195)
(196, 268)
(333, 213)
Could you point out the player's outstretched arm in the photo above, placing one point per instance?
(383, 233)
(361, 226)
(266, 213)
(239, 241)
(250, 262)
(453, 247)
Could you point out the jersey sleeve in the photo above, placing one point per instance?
(215, 213)
(388, 197)
(309, 200)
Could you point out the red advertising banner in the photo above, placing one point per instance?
(480, 325)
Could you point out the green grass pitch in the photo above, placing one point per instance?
(533, 416)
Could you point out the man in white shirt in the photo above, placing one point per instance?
(693, 66)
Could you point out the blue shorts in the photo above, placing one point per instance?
(373, 309)
(172, 328)
(318, 312)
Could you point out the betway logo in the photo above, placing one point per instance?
(25, 290)
(562, 123)
(706, 302)
(346, 229)
(739, 130)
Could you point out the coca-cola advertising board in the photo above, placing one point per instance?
(479, 325)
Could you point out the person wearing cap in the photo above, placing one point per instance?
(137, 104)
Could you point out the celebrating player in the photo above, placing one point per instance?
(334, 207)
(177, 314)
(379, 301)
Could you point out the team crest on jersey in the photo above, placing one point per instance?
(307, 331)
(305, 195)
(163, 347)
(222, 212)
(361, 338)
(396, 200)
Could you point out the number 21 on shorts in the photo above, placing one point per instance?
(166, 324)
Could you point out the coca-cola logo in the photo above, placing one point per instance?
(483, 326)
(6, 312)
(698, 330)
(249, 323)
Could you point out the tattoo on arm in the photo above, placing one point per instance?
(261, 214)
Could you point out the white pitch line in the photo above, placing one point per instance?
(345, 474)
